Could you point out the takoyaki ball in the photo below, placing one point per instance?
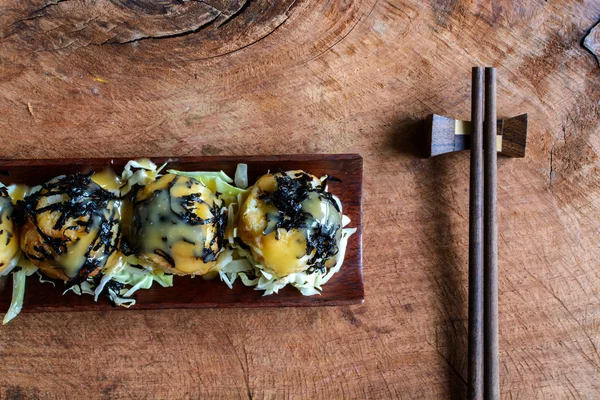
(178, 225)
(9, 234)
(71, 227)
(291, 223)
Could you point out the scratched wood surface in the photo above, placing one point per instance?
(90, 79)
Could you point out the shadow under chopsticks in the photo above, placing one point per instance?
(449, 273)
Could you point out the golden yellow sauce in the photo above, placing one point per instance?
(107, 180)
(18, 192)
(320, 210)
(9, 235)
(186, 262)
(164, 233)
(286, 254)
(114, 263)
(76, 254)
(82, 239)
(285, 251)
(126, 212)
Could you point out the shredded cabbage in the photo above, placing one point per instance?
(138, 172)
(42, 280)
(134, 278)
(204, 176)
(141, 279)
(18, 293)
(233, 269)
(307, 284)
(241, 176)
(9, 268)
(108, 274)
(217, 182)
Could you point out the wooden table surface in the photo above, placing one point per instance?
(131, 78)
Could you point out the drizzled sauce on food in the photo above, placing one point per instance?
(179, 224)
(291, 223)
(9, 238)
(107, 180)
(71, 227)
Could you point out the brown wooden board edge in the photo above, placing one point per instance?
(355, 295)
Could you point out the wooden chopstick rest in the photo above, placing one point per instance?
(447, 135)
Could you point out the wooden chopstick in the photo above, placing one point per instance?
(491, 357)
(476, 240)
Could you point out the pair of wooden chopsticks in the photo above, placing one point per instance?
(483, 242)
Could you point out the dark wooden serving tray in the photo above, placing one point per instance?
(346, 287)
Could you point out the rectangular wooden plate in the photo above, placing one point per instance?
(346, 287)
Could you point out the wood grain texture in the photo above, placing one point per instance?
(332, 77)
(591, 41)
(344, 289)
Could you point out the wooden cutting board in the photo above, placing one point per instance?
(346, 287)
